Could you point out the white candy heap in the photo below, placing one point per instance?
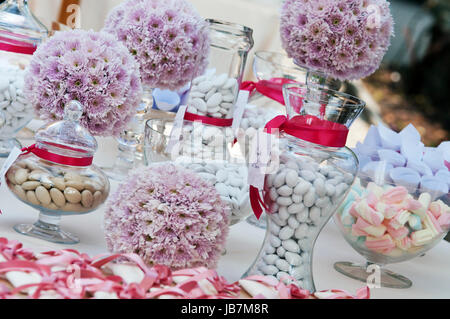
(213, 95)
(403, 159)
(304, 196)
(205, 141)
(16, 109)
(229, 180)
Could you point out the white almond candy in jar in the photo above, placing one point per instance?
(300, 193)
(56, 176)
(229, 180)
(15, 106)
(213, 95)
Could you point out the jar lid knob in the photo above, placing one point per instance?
(73, 111)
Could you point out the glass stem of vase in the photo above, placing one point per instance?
(48, 222)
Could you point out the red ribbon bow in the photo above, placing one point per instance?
(305, 127)
(59, 159)
(273, 88)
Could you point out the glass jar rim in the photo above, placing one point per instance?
(260, 54)
(230, 27)
(369, 179)
(355, 102)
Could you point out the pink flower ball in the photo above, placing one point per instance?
(345, 39)
(169, 216)
(93, 68)
(168, 38)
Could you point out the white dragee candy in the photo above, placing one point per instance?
(293, 259)
(270, 259)
(291, 245)
(16, 108)
(286, 233)
(282, 265)
(218, 92)
(281, 252)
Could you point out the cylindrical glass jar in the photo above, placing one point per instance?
(314, 175)
(20, 34)
(57, 177)
(205, 150)
(214, 93)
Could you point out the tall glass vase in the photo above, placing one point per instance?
(313, 177)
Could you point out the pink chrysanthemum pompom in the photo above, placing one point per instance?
(168, 38)
(91, 67)
(345, 39)
(169, 216)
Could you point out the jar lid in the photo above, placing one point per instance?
(67, 137)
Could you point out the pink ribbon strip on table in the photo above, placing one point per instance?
(308, 128)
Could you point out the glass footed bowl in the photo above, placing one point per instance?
(56, 191)
(389, 223)
(56, 176)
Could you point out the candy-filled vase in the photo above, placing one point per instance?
(314, 173)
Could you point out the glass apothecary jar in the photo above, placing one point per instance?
(214, 93)
(56, 176)
(20, 34)
(313, 176)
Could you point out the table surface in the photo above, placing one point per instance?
(430, 274)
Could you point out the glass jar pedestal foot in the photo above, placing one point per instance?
(361, 272)
(47, 228)
(7, 145)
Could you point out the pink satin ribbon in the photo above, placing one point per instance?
(208, 120)
(59, 159)
(272, 88)
(16, 46)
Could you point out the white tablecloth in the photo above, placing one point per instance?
(430, 274)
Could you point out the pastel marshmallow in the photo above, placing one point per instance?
(414, 222)
(368, 213)
(432, 224)
(400, 219)
(395, 195)
(384, 243)
(399, 233)
(421, 237)
(424, 200)
(444, 220)
(404, 243)
(375, 231)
